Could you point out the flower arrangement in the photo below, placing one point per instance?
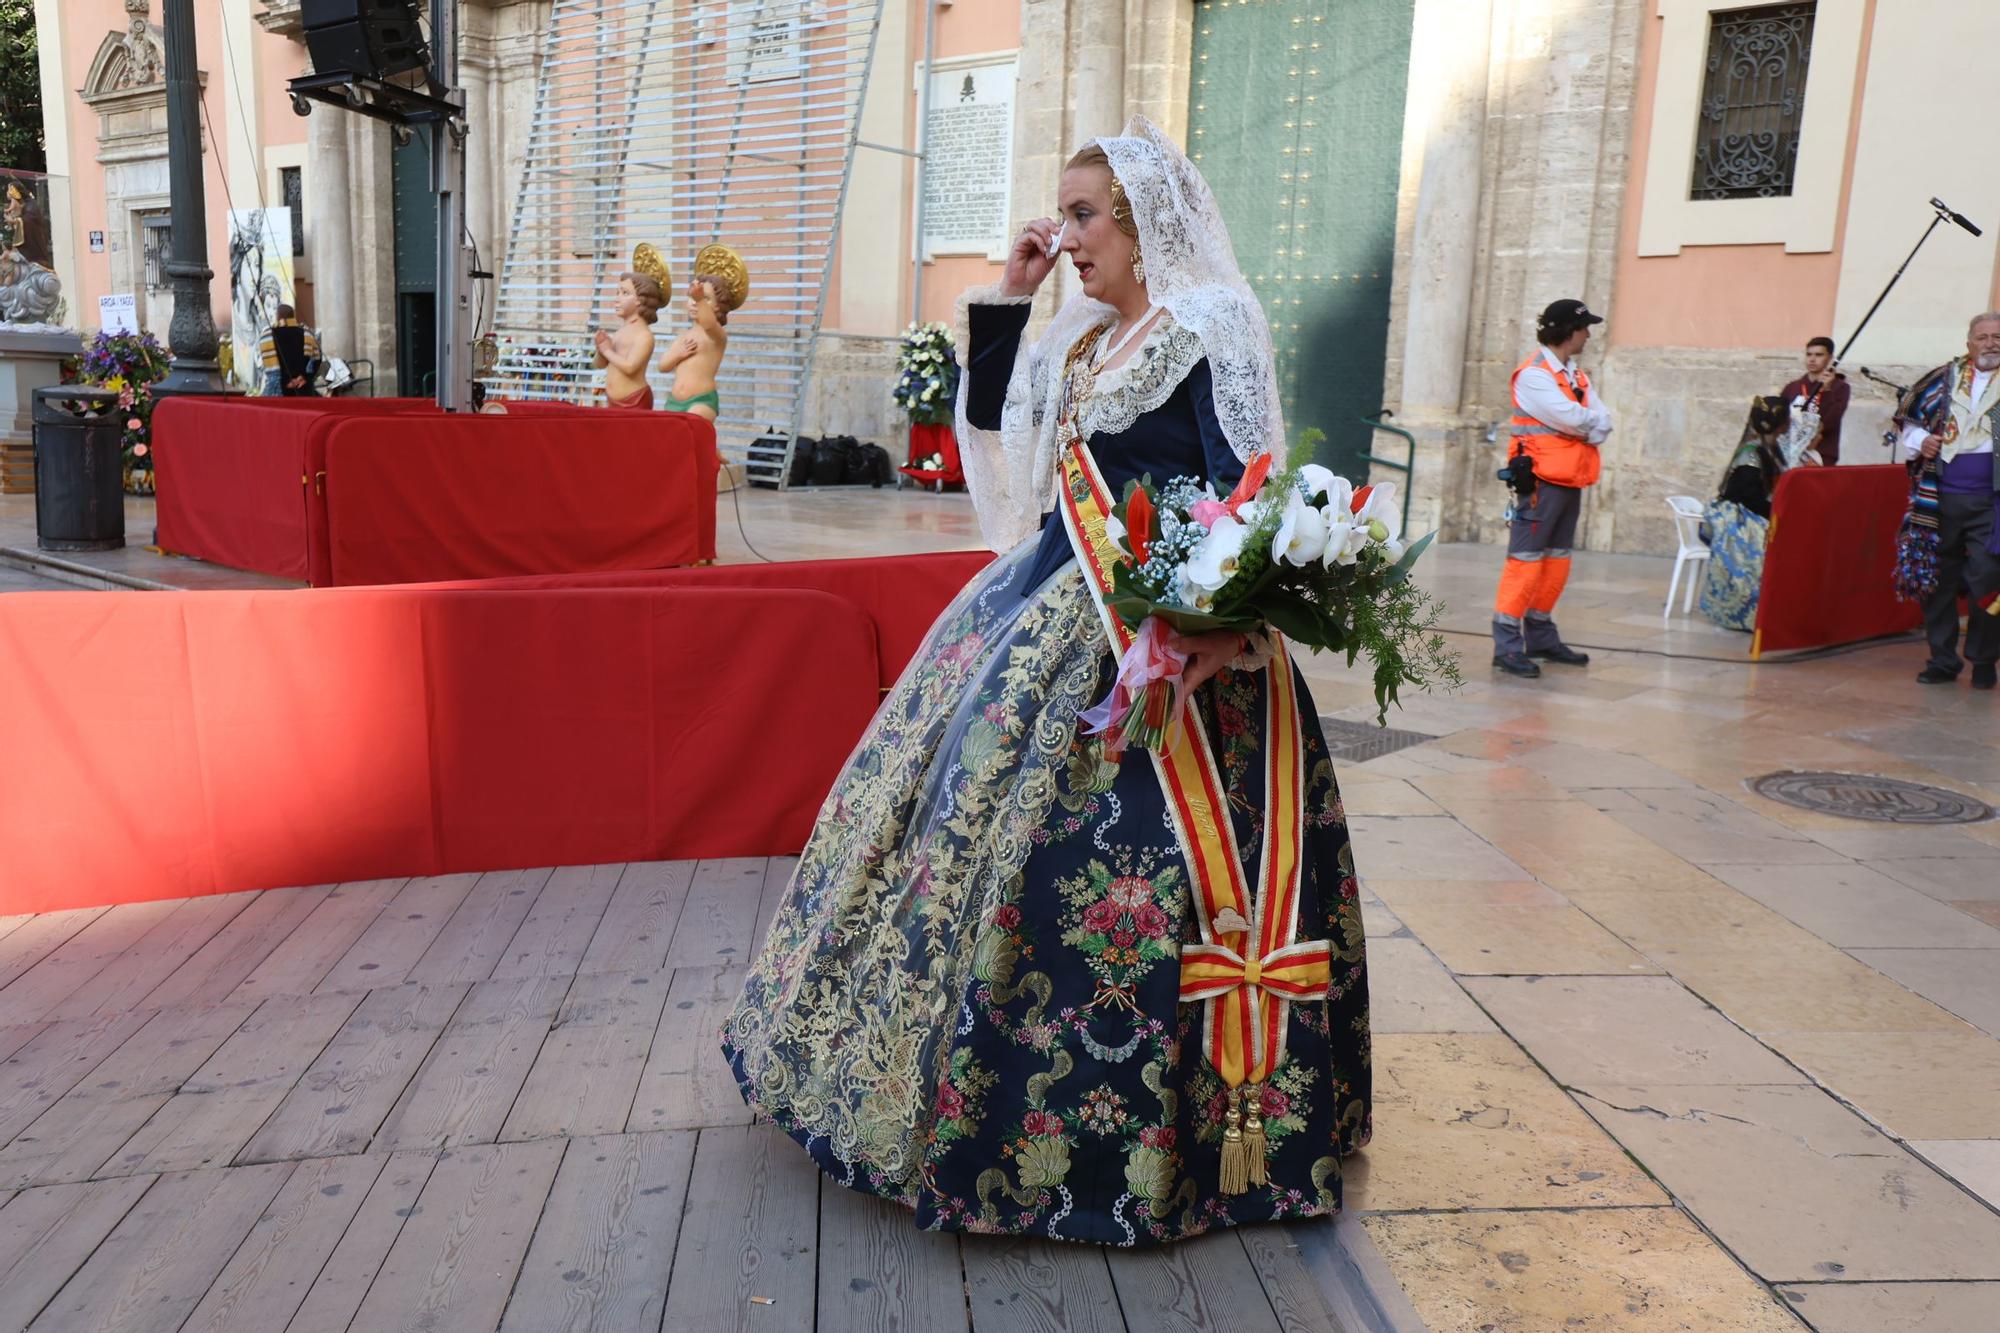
(1300, 551)
(129, 364)
(926, 375)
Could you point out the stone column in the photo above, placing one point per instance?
(1450, 59)
(332, 234)
(1097, 69)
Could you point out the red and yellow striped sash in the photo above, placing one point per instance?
(1250, 964)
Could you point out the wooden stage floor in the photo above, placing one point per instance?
(492, 1101)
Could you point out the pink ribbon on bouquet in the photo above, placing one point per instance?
(1157, 652)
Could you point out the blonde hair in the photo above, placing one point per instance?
(1090, 155)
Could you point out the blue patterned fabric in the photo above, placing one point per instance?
(1735, 567)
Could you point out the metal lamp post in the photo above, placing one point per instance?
(192, 333)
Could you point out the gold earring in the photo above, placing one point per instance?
(1138, 266)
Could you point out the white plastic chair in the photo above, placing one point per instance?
(1687, 526)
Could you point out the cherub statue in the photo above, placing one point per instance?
(721, 283)
(622, 353)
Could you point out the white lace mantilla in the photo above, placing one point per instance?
(1211, 312)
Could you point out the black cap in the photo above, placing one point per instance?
(1566, 314)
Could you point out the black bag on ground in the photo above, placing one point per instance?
(829, 465)
(868, 464)
(802, 461)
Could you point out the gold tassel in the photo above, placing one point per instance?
(1235, 1177)
(1253, 1135)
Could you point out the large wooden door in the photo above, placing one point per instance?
(1295, 114)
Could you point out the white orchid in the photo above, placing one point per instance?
(1213, 562)
(1193, 596)
(1301, 535)
(1114, 528)
(1317, 479)
(1346, 536)
(1382, 519)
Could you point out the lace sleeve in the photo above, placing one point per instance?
(993, 470)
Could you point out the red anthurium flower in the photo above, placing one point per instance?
(1139, 524)
(1253, 481)
(1360, 498)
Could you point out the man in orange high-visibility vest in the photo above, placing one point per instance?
(1557, 426)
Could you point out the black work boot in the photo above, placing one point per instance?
(1562, 653)
(1516, 664)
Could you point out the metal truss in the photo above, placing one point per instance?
(682, 123)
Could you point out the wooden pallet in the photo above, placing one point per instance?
(17, 467)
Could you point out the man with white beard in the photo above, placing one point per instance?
(1948, 423)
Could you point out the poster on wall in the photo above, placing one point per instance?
(969, 160)
(260, 280)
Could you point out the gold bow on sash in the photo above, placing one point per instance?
(1245, 987)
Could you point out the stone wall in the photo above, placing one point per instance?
(848, 393)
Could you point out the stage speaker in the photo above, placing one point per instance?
(373, 38)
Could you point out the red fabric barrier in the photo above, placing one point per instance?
(470, 497)
(171, 744)
(256, 483)
(1827, 561)
(903, 594)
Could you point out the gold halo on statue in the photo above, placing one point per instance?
(719, 261)
(649, 262)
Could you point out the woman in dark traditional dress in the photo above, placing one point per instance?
(970, 1000)
(1738, 519)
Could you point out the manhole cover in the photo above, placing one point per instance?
(1358, 742)
(1866, 796)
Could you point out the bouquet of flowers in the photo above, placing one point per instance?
(1300, 551)
(129, 364)
(926, 374)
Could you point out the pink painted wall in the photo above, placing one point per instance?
(1721, 296)
(969, 28)
(275, 60)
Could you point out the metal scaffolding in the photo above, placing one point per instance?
(682, 123)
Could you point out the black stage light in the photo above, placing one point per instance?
(370, 38)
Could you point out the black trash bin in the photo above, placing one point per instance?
(79, 469)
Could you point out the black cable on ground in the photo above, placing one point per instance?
(1808, 655)
(736, 502)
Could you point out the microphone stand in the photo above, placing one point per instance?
(1939, 216)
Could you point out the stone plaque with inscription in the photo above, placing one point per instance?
(969, 165)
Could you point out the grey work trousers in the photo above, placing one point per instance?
(1965, 525)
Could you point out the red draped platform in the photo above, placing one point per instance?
(342, 492)
(172, 744)
(1827, 561)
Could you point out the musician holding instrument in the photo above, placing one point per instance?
(1819, 398)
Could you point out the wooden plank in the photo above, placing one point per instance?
(604, 1250)
(48, 983)
(268, 1276)
(749, 1230)
(218, 1109)
(687, 1083)
(558, 929)
(46, 1234)
(396, 939)
(720, 918)
(777, 882)
(474, 941)
(589, 1066)
(14, 1038)
(221, 965)
(638, 926)
(455, 1260)
(1203, 1285)
(1025, 1284)
(471, 1077)
(153, 1268)
(128, 978)
(344, 1280)
(303, 959)
(352, 1086)
(58, 1057)
(88, 1125)
(876, 1270)
(38, 937)
(1297, 1298)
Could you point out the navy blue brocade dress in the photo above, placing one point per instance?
(968, 1001)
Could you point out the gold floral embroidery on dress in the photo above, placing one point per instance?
(930, 823)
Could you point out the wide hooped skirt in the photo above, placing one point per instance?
(969, 999)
